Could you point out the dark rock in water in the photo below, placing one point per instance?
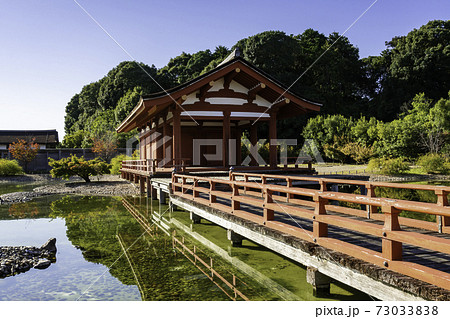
(42, 264)
(14, 260)
(50, 245)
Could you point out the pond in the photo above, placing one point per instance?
(105, 254)
(6, 188)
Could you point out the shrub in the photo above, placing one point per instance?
(433, 164)
(357, 151)
(71, 166)
(388, 166)
(9, 168)
(116, 163)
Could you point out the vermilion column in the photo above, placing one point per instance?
(176, 135)
(166, 133)
(225, 137)
(272, 139)
(238, 146)
(253, 140)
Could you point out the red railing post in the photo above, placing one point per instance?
(442, 200)
(246, 188)
(235, 205)
(323, 185)
(194, 192)
(391, 249)
(263, 179)
(370, 193)
(289, 196)
(174, 180)
(320, 229)
(212, 187)
(268, 213)
(263, 182)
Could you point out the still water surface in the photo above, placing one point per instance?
(91, 264)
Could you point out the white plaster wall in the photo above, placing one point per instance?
(236, 87)
(218, 85)
(191, 98)
(225, 100)
(249, 114)
(261, 102)
(202, 113)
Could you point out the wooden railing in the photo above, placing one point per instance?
(313, 206)
(367, 188)
(150, 166)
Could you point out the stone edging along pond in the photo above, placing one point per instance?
(104, 186)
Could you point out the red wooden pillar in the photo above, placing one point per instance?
(176, 136)
(442, 200)
(253, 140)
(238, 146)
(272, 140)
(268, 213)
(320, 229)
(160, 147)
(225, 137)
(166, 134)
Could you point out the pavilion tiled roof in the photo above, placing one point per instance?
(234, 60)
(41, 136)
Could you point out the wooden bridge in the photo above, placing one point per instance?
(358, 239)
(415, 248)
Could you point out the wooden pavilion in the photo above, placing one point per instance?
(214, 109)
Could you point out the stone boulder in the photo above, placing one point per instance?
(50, 245)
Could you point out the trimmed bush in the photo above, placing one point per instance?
(9, 168)
(71, 166)
(433, 164)
(388, 166)
(116, 163)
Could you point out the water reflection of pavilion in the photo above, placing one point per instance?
(154, 221)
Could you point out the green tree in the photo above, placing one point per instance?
(364, 131)
(188, 66)
(77, 139)
(97, 105)
(75, 166)
(325, 129)
(417, 62)
(126, 104)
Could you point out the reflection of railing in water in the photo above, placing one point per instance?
(124, 250)
(209, 272)
(186, 252)
(138, 216)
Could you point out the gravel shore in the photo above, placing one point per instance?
(108, 185)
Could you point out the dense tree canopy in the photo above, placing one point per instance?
(101, 105)
(424, 128)
(417, 62)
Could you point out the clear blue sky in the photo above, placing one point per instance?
(49, 49)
